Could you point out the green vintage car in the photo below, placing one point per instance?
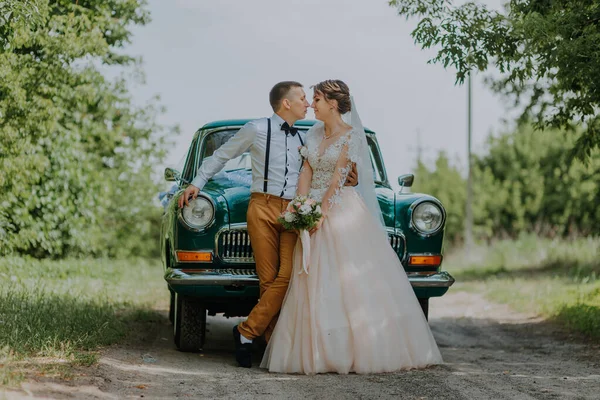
(207, 254)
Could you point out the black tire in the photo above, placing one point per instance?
(189, 327)
(172, 307)
(424, 303)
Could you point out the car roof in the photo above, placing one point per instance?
(241, 122)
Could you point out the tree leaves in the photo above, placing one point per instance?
(76, 155)
(546, 51)
(524, 182)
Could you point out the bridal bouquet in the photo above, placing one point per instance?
(302, 213)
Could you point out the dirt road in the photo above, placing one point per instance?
(490, 353)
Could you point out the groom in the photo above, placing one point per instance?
(273, 143)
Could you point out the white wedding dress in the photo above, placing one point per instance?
(355, 310)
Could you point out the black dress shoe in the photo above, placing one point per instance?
(243, 352)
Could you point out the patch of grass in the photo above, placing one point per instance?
(55, 325)
(85, 359)
(581, 317)
(558, 279)
(55, 315)
(579, 258)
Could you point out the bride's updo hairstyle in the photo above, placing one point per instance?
(334, 89)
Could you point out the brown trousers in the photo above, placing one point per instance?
(273, 249)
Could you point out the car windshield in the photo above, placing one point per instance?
(216, 139)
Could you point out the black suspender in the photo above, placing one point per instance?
(266, 179)
(286, 168)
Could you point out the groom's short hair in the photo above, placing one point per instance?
(279, 92)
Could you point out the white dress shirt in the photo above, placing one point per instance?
(284, 158)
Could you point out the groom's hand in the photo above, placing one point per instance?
(352, 179)
(317, 226)
(190, 191)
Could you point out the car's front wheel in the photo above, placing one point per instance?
(424, 303)
(189, 326)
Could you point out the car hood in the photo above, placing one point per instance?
(234, 186)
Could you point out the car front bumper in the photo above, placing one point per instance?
(210, 277)
(437, 280)
(240, 278)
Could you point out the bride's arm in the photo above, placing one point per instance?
(305, 179)
(337, 182)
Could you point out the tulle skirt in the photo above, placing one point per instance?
(355, 310)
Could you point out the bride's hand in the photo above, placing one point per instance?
(317, 226)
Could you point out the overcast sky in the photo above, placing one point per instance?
(218, 59)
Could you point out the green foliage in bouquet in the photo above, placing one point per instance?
(301, 213)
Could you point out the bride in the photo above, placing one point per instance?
(354, 310)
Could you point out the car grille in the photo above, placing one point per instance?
(233, 271)
(234, 246)
(398, 244)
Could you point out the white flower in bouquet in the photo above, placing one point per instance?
(289, 217)
(300, 214)
(305, 209)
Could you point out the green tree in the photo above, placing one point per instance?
(76, 155)
(535, 188)
(16, 15)
(523, 182)
(546, 51)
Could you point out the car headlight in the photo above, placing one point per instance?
(199, 214)
(427, 218)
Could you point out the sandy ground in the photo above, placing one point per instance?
(490, 353)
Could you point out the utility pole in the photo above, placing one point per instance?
(469, 204)
(419, 147)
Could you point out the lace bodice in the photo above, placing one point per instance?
(328, 172)
(324, 165)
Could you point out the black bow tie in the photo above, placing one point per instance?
(289, 130)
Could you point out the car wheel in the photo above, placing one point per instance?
(172, 307)
(189, 327)
(424, 303)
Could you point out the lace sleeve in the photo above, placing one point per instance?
(304, 179)
(338, 179)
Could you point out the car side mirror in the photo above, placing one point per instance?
(405, 181)
(171, 175)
